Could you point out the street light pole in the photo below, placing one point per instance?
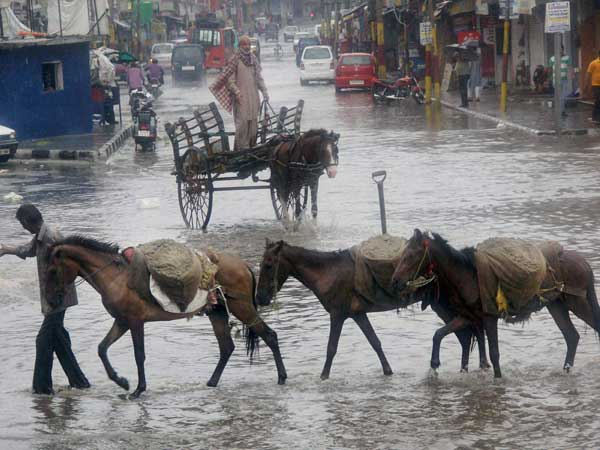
(503, 86)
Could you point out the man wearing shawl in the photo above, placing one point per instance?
(236, 88)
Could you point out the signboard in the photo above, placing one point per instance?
(464, 37)
(425, 33)
(489, 35)
(558, 17)
(505, 12)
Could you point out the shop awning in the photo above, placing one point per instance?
(123, 25)
(173, 18)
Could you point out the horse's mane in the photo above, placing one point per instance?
(90, 243)
(318, 255)
(465, 257)
(313, 132)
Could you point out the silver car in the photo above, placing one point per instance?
(162, 53)
(8, 143)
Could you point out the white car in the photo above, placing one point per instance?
(317, 64)
(8, 143)
(289, 32)
(297, 37)
(162, 53)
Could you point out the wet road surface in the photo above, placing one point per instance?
(446, 172)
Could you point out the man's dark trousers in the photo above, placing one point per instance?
(463, 86)
(54, 338)
(596, 112)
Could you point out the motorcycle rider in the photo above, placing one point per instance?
(135, 77)
(155, 72)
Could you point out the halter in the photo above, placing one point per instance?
(419, 281)
(333, 138)
(95, 272)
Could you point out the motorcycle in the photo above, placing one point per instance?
(399, 89)
(154, 88)
(145, 126)
(136, 98)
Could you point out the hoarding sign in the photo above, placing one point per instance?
(558, 17)
(425, 33)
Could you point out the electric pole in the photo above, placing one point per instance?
(381, 72)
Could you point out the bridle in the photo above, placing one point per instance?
(419, 281)
(88, 277)
(333, 139)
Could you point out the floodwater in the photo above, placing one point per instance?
(447, 172)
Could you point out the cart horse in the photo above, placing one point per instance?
(205, 163)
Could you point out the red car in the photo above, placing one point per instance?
(355, 70)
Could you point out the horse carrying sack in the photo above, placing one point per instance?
(375, 261)
(510, 273)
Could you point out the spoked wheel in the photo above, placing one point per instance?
(419, 97)
(195, 190)
(296, 204)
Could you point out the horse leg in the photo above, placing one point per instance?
(219, 321)
(314, 191)
(335, 329)
(137, 336)
(365, 325)
(480, 336)
(464, 337)
(560, 314)
(456, 324)
(490, 324)
(117, 330)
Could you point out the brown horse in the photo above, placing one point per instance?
(330, 276)
(300, 162)
(455, 274)
(105, 269)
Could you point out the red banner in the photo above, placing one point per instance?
(466, 36)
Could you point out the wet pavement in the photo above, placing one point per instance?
(447, 172)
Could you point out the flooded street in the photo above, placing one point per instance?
(447, 172)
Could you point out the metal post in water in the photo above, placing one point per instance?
(379, 177)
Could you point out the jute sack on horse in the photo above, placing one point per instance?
(172, 273)
(375, 261)
(510, 273)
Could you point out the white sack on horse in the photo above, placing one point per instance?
(510, 273)
(375, 261)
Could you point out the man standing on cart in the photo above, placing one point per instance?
(236, 89)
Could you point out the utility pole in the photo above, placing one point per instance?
(505, 43)
(428, 57)
(138, 37)
(336, 29)
(381, 72)
(557, 81)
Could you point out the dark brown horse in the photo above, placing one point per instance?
(330, 276)
(455, 273)
(300, 162)
(105, 269)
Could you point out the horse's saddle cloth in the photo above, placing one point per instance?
(177, 278)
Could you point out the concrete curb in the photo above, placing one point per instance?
(115, 143)
(516, 126)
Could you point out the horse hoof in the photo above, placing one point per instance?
(388, 372)
(464, 370)
(324, 377)
(135, 394)
(433, 373)
(567, 368)
(435, 365)
(281, 380)
(484, 366)
(123, 382)
(212, 383)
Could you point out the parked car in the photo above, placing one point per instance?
(316, 64)
(272, 32)
(8, 143)
(260, 25)
(289, 32)
(297, 36)
(355, 70)
(302, 44)
(187, 61)
(162, 53)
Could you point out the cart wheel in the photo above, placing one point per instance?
(301, 202)
(195, 190)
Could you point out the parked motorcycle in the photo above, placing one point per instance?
(399, 89)
(145, 126)
(136, 98)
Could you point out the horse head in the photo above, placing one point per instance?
(60, 272)
(274, 270)
(415, 262)
(329, 156)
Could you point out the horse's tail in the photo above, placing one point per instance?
(252, 339)
(593, 302)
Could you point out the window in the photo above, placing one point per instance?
(356, 60)
(317, 53)
(52, 76)
(207, 37)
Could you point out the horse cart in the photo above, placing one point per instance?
(205, 163)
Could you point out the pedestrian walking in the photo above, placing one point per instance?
(236, 88)
(563, 83)
(475, 78)
(593, 77)
(462, 67)
(52, 337)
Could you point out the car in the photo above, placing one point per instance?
(355, 70)
(298, 36)
(162, 53)
(316, 64)
(260, 24)
(187, 61)
(318, 30)
(289, 32)
(304, 42)
(8, 143)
